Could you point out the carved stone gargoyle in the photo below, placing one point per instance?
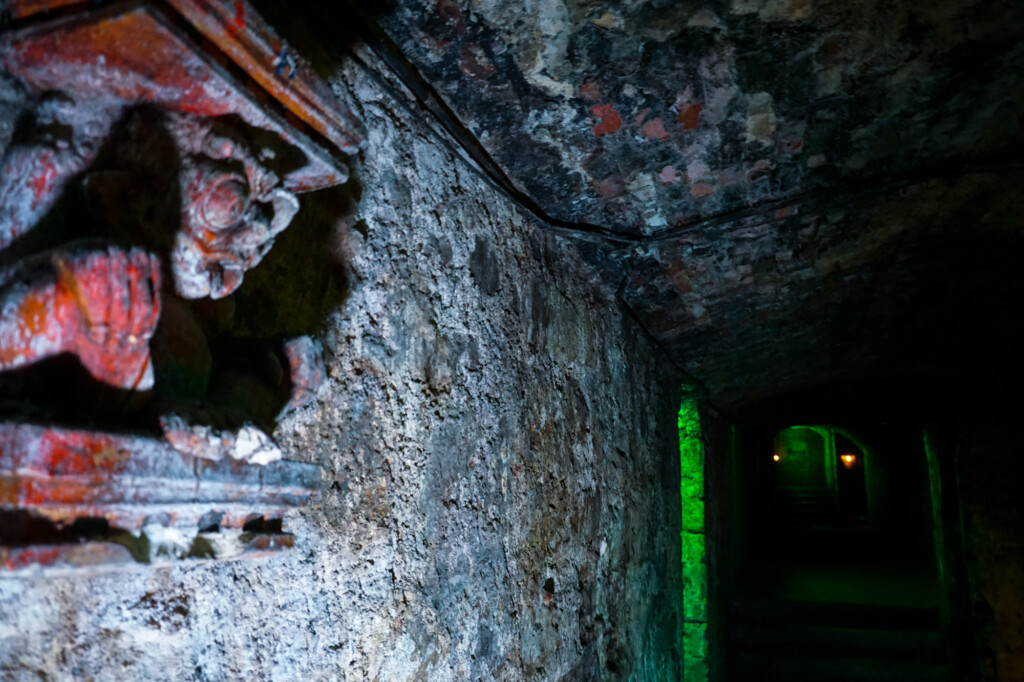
(175, 137)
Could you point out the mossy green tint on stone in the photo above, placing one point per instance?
(693, 515)
(693, 542)
(695, 666)
(695, 591)
(694, 546)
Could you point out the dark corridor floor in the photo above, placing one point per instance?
(838, 605)
(842, 567)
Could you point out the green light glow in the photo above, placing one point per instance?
(694, 546)
(806, 456)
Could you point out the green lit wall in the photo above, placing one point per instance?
(694, 545)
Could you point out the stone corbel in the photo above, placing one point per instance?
(251, 127)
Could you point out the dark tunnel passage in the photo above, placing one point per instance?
(818, 529)
(833, 571)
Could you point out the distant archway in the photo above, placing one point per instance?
(819, 476)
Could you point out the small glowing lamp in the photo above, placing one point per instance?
(775, 457)
(848, 460)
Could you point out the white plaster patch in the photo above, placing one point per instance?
(252, 445)
(549, 62)
(165, 541)
(645, 190)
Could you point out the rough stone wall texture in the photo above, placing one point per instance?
(500, 462)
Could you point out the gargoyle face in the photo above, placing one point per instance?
(232, 208)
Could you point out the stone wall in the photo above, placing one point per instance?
(499, 448)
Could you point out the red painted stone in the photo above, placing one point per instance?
(101, 304)
(67, 474)
(306, 368)
(655, 130)
(608, 119)
(148, 58)
(689, 117)
(239, 21)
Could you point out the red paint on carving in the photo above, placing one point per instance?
(655, 130)
(144, 61)
(306, 368)
(609, 119)
(26, 8)
(79, 453)
(31, 324)
(43, 179)
(38, 185)
(102, 305)
(71, 468)
(146, 67)
(43, 556)
(690, 116)
(239, 21)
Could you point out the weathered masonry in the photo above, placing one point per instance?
(486, 340)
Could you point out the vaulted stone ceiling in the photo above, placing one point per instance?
(791, 190)
(646, 115)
